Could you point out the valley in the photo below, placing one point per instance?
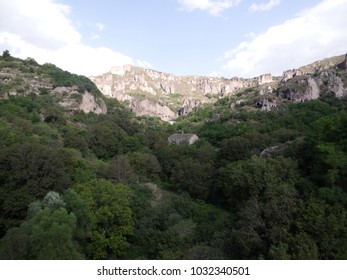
(137, 164)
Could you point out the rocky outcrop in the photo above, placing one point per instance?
(323, 65)
(168, 96)
(138, 86)
(23, 82)
(91, 104)
(343, 65)
(289, 74)
(126, 80)
(188, 106)
(147, 107)
(264, 79)
(311, 86)
(182, 139)
(265, 90)
(336, 86)
(266, 105)
(72, 100)
(312, 91)
(299, 89)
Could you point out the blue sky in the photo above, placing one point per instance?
(226, 38)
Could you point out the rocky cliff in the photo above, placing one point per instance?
(310, 81)
(154, 93)
(72, 100)
(165, 95)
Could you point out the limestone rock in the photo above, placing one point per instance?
(265, 90)
(264, 79)
(152, 108)
(72, 100)
(299, 88)
(91, 104)
(336, 86)
(289, 74)
(312, 91)
(188, 106)
(182, 139)
(141, 87)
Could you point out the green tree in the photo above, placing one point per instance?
(146, 165)
(192, 176)
(241, 147)
(76, 205)
(74, 139)
(120, 170)
(6, 55)
(27, 172)
(326, 227)
(111, 218)
(106, 139)
(244, 179)
(47, 233)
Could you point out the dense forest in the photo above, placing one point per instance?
(256, 185)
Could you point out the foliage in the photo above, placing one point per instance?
(28, 171)
(111, 218)
(47, 234)
(65, 78)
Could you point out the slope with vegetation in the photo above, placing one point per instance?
(256, 185)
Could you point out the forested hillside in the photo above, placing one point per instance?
(256, 185)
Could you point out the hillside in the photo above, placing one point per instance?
(154, 93)
(73, 92)
(264, 178)
(167, 96)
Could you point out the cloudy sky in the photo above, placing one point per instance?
(226, 38)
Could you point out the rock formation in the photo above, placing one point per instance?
(336, 86)
(134, 84)
(188, 106)
(86, 102)
(69, 97)
(147, 107)
(265, 90)
(264, 79)
(299, 89)
(343, 64)
(182, 139)
(129, 79)
(266, 105)
(155, 93)
(289, 74)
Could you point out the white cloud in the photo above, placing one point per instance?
(41, 22)
(76, 58)
(100, 26)
(264, 6)
(314, 34)
(213, 7)
(41, 29)
(94, 36)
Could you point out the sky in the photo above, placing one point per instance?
(224, 38)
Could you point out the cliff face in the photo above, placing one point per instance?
(299, 88)
(154, 93)
(127, 79)
(308, 87)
